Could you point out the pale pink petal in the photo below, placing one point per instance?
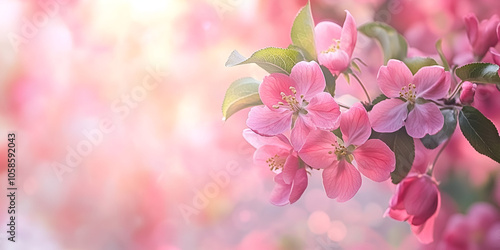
(290, 168)
(472, 27)
(300, 132)
(272, 86)
(265, 121)
(355, 125)
(258, 141)
(336, 62)
(481, 216)
(425, 232)
(495, 54)
(325, 33)
(309, 79)
(375, 160)
(275, 153)
(492, 238)
(388, 115)
(397, 214)
(318, 151)
(393, 77)
(432, 82)
(299, 185)
(341, 181)
(424, 119)
(281, 193)
(349, 34)
(421, 200)
(323, 111)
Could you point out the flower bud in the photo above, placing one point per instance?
(482, 35)
(468, 91)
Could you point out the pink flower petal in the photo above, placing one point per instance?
(315, 151)
(308, 78)
(290, 168)
(431, 82)
(495, 54)
(299, 185)
(472, 27)
(355, 125)
(424, 119)
(341, 181)
(271, 87)
(281, 193)
(388, 115)
(278, 154)
(425, 232)
(375, 160)
(336, 62)
(397, 214)
(258, 141)
(325, 33)
(265, 121)
(349, 34)
(300, 132)
(323, 111)
(421, 200)
(393, 77)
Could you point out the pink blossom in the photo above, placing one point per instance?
(299, 99)
(417, 200)
(341, 179)
(468, 91)
(479, 229)
(277, 153)
(482, 35)
(409, 103)
(335, 44)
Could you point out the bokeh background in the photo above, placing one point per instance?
(120, 139)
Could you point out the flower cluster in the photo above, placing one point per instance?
(298, 126)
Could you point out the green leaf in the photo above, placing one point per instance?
(404, 149)
(480, 132)
(416, 63)
(393, 44)
(273, 60)
(242, 93)
(439, 49)
(449, 126)
(303, 32)
(338, 133)
(479, 73)
(330, 80)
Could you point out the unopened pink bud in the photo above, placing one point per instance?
(468, 91)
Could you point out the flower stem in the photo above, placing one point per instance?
(456, 90)
(364, 89)
(343, 105)
(431, 168)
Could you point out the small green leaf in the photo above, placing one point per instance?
(404, 149)
(480, 132)
(379, 98)
(393, 44)
(416, 63)
(449, 126)
(338, 133)
(273, 60)
(439, 49)
(330, 80)
(479, 73)
(242, 93)
(303, 32)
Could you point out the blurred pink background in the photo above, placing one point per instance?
(120, 139)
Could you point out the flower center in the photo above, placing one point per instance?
(275, 162)
(291, 102)
(334, 47)
(342, 152)
(408, 93)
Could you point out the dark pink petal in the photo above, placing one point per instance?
(393, 77)
(271, 87)
(336, 62)
(349, 34)
(290, 168)
(265, 121)
(421, 200)
(341, 181)
(388, 115)
(281, 193)
(316, 150)
(308, 78)
(472, 27)
(355, 125)
(266, 152)
(457, 232)
(425, 232)
(300, 132)
(397, 200)
(258, 141)
(299, 185)
(325, 33)
(424, 119)
(323, 111)
(432, 82)
(375, 160)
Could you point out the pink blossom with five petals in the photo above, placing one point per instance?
(341, 179)
(409, 103)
